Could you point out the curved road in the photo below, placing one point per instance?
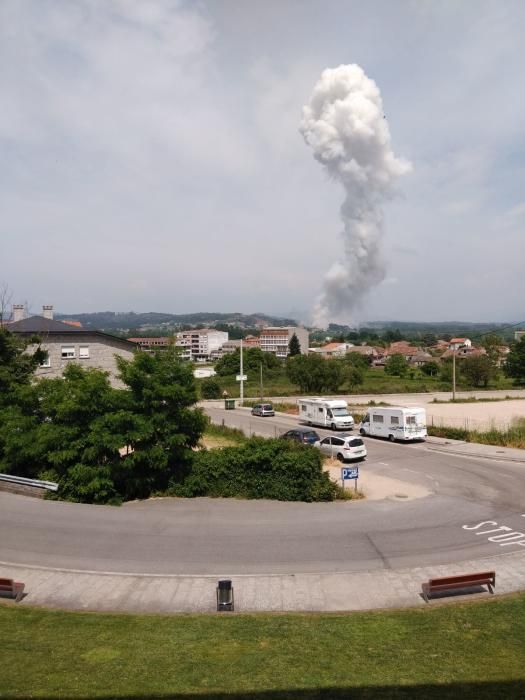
(218, 537)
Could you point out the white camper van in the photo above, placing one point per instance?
(395, 423)
(328, 413)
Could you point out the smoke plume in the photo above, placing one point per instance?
(344, 124)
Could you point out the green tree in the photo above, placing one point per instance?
(294, 346)
(429, 339)
(161, 425)
(431, 369)
(354, 376)
(355, 359)
(230, 363)
(515, 364)
(312, 373)
(74, 429)
(396, 365)
(492, 344)
(211, 389)
(477, 370)
(17, 364)
(393, 336)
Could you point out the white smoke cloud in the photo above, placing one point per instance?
(345, 126)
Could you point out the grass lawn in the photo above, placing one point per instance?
(375, 382)
(470, 650)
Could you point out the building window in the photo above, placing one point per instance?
(394, 420)
(83, 352)
(46, 362)
(377, 419)
(68, 352)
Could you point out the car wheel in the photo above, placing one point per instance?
(362, 431)
(391, 438)
(333, 427)
(340, 457)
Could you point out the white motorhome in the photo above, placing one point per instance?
(328, 413)
(397, 423)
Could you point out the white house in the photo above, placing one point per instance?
(456, 343)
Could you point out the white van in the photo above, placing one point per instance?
(395, 423)
(328, 413)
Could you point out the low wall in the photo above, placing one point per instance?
(23, 489)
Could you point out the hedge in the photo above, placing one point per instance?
(260, 468)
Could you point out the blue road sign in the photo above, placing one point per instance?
(349, 473)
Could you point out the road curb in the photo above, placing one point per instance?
(477, 455)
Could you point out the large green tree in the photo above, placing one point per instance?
(229, 364)
(515, 364)
(312, 373)
(104, 444)
(17, 363)
(477, 370)
(396, 365)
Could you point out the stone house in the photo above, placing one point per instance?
(66, 342)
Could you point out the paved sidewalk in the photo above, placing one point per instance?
(76, 590)
(475, 449)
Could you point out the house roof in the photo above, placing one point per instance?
(38, 325)
(458, 340)
(332, 346)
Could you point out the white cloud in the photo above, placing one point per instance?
(147, 145)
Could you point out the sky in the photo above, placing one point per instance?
(151, 157)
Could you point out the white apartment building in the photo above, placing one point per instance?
(199, 344)
(276, 339)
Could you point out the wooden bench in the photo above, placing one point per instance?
(449, 583)
(13, 588)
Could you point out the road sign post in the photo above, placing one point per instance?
(348, 473)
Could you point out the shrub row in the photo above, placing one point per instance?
(260, 468)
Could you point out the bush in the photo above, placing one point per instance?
(211, 389)
(275, 469)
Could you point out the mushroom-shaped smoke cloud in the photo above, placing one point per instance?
(345, 126)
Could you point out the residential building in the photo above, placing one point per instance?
(457, 343)
(65, 343)
(199, 345)
(251, 341)
(276, 339)
(151, 344)
(518, 335)
(333, 349)
(420, 358)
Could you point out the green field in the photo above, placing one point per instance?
(375, 382)
(470, 650)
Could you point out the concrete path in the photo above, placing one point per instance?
(345, 591)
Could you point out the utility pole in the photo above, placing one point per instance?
(241, 394)
(454, 374)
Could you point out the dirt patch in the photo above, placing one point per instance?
(375, 487)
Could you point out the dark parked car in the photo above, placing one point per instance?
(306, 436)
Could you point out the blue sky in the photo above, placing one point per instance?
(152, 159)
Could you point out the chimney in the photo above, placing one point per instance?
(47, 312)
(18, 312)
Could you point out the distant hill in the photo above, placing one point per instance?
(121, 321)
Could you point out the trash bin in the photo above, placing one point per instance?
(229, 404)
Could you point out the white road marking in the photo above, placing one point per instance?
(508, 537)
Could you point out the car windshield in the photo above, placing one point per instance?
(340, 411)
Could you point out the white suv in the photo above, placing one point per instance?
(343, 447)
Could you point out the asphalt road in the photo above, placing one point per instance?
(217, 537)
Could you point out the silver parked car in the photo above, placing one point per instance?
(342, 447)
(263, 409)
